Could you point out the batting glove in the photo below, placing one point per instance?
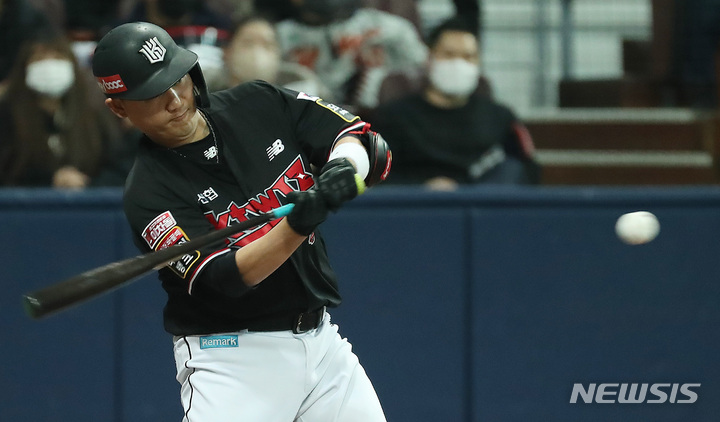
(338, 183)
(310, 210)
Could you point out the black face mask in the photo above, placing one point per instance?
(175, 9)
(322, 12)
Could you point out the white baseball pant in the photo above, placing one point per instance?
(274, 377)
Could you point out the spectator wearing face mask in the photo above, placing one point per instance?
(350, 48)
(52, 135)
(449, 134)
(19, 21)
(253, 53)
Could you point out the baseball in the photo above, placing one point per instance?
(636, 228)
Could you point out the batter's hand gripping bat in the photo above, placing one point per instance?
(95, 282)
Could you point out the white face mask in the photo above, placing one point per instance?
(51, 77)
(255, 63)
(456, 77)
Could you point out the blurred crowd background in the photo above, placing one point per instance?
(465, 91)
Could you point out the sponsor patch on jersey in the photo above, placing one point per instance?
(157, 228)
(304, 96)
(341, 112)
(111, 84)
(217, 342)
(173, 237)
(344, 114)
(182, 266)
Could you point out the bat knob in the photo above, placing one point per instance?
(32, 306)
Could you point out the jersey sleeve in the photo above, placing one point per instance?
(317, 123)
(314, 124)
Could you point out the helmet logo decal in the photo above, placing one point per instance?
(153, 50)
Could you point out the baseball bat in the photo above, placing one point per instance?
(93, 283)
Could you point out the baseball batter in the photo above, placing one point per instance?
(252, 337)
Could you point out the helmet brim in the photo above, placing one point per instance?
(164, 78)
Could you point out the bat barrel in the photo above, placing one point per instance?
(85, 286)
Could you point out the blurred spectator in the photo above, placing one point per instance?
(235, 10)
(697, 47)
(19, 21)
(88, 20)
(432, 13)
(471, 11)
(178, 13)
(449, 134)
(84, 22)
(53, 11)
(193, 25)
(350, 48)
(275, 10)
(55, 129)
(253, 53)
(407, 9)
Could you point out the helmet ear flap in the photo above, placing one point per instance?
(202, 97)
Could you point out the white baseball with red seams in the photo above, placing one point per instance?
(637, 228)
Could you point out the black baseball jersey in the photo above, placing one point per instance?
(262, 144)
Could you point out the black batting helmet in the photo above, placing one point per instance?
(139, 61)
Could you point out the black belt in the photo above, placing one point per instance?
(298, 323)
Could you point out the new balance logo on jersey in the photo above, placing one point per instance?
(275, 149)
(211, 152)
(214, 342)
(153, 50)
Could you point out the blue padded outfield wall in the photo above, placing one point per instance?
(485, 304)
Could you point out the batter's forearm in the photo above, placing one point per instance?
(358, 161)
(257, 260)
